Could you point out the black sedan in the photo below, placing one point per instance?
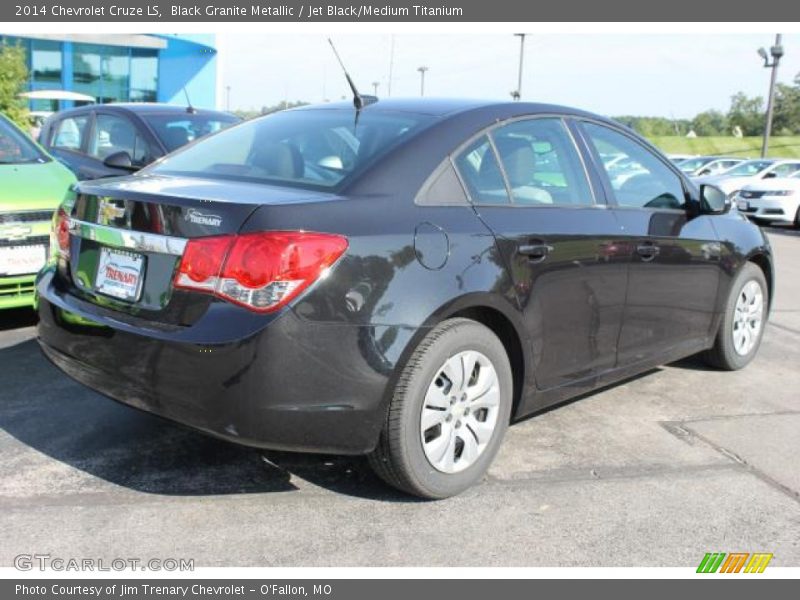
(109, 140)
(401, 281)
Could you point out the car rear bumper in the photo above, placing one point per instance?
(292, 385)
(17, 291)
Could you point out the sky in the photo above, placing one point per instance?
(673, 76)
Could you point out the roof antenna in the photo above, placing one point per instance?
(189, 108)
(359, 101)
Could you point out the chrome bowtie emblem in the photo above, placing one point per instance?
(109, 211)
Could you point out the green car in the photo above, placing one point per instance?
(32, 186)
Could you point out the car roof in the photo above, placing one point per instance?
(142, 108)
(440, 107)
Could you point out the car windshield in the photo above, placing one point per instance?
(176, 130)
(692, 164)
(302, 148)
(750, 167)
(15, 147)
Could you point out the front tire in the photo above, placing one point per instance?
(449, 412)
(742, 327)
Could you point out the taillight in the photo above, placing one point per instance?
(261, 271)
(59, 240)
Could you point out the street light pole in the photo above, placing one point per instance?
(776, 52)
(228, 98)
(375, 85)
(517, 94)
(422, 80)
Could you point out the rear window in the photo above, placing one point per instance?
(15, 148)
(176, 130)
(302, 148)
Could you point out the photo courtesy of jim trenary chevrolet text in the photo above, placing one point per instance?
(400, 299)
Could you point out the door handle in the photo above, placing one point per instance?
(647, 251)
(535, 252)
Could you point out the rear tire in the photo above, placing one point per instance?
(444, 428)
(743, 322)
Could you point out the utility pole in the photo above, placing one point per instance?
(228, 98)
(391, 69)
(776, 52)
(422, 71)
(517, 94)
(375, 85)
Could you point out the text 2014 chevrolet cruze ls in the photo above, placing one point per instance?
(400, 281)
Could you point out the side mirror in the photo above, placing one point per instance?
(770, 175)
(120, 160)
(713, 200)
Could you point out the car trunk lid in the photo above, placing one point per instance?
(127, 237)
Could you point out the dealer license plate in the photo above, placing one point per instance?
(120, 274)
(22, 260)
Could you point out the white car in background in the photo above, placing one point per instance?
(772, 200)
(716, 167)
(748, 172)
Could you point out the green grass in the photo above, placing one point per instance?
(747, 147)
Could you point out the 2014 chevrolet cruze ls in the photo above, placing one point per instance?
(402, 280)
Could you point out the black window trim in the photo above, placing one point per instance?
(598, 199)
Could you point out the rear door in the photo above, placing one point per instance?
(528, 183)
(675, 264)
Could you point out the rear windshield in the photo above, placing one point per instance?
(16, 148)
(301, 148)
(751, 167)
(176, 130)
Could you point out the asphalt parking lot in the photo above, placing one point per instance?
(654, 472)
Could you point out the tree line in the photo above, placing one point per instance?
(745, 113)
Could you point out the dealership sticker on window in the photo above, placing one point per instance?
(22, 260)
(119, 274)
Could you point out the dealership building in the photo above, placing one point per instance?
(122, 67)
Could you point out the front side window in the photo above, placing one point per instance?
(301, 148)
(749, 168)
(69, 132)
(113, 134)
(785, 169)
(176, 130)
(541, 163)
(647, 182)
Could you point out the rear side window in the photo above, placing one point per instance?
(68, 133)
(300, 148)
(645, 181)
(542, 164)
(113, 134)
(481, 173)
